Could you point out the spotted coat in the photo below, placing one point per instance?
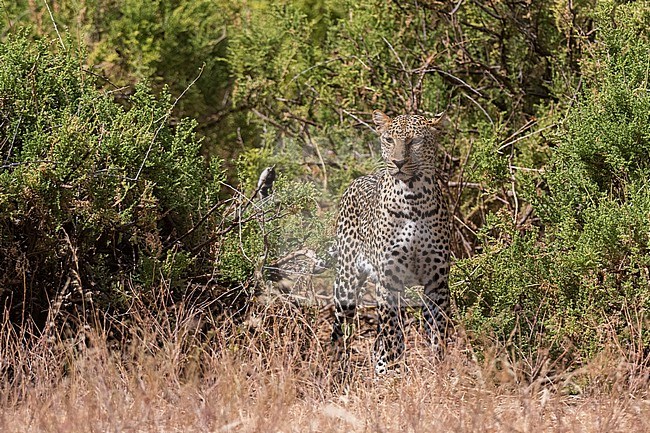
(393, 228)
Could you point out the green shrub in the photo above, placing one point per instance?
(581, 278)
(92, 192)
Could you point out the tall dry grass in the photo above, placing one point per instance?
(181, 369)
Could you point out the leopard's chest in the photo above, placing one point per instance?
(405, 232)
(408, 212)
(406, 223)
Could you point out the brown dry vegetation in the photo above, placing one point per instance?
(178, 371)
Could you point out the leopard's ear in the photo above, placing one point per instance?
(440, 121)
(381, 120)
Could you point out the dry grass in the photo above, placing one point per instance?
(271, 374)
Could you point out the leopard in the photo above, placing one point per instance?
(393, 229)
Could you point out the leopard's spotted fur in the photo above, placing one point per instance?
(393, 228)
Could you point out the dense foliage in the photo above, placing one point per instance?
(107, 187)
(91, 191)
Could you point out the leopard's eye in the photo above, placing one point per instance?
(388, 139)
(416, 140)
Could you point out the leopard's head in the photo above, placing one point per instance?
(408, 143)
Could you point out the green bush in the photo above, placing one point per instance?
(581, 278)
(166, 43)
(92, 192)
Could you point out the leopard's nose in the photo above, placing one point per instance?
(399, 163)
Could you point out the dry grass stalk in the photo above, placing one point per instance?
(179, 372)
